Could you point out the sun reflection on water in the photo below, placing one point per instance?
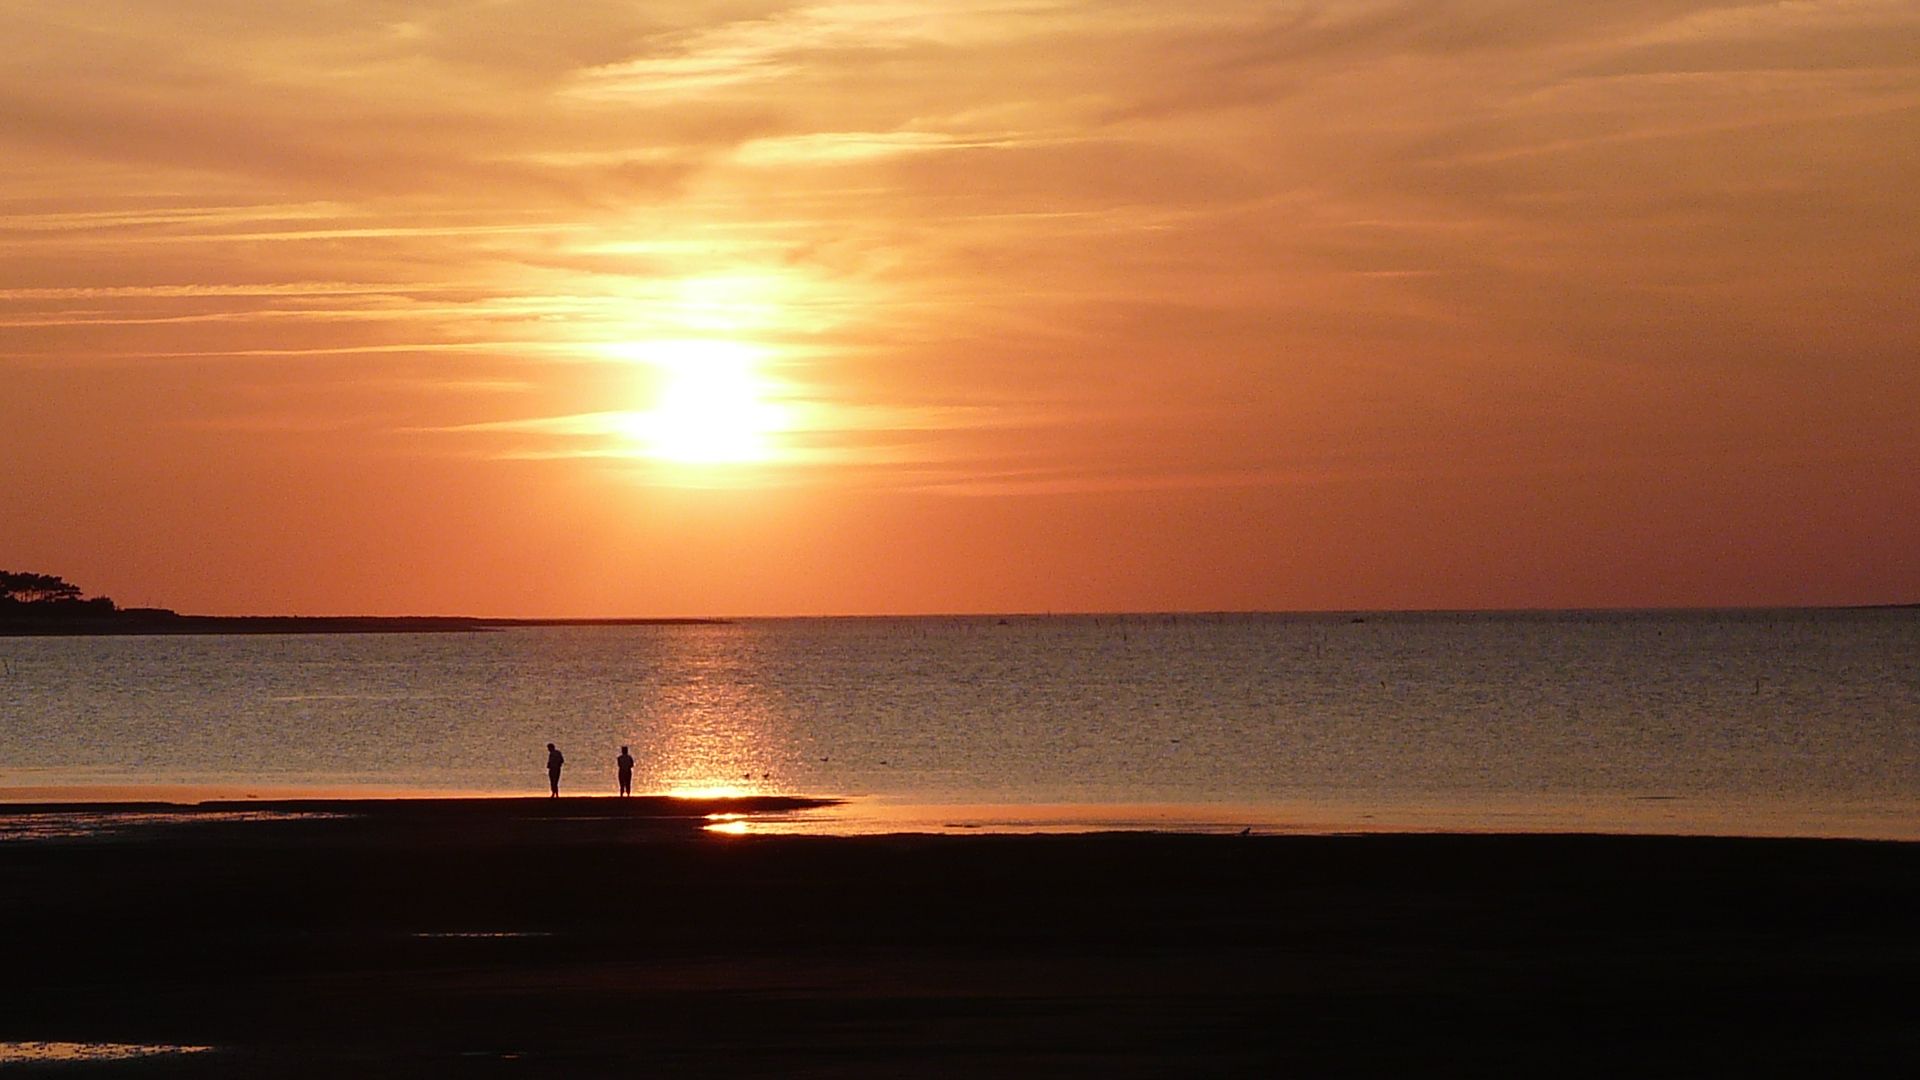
(23, 1053)
(711, 791)
(715, 733)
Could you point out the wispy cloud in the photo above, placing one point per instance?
(1252, 217)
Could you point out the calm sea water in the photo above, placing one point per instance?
(1802, 722)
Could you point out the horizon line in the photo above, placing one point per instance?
(555, 620)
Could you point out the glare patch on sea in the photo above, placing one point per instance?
(34, 1053)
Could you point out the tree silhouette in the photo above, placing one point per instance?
(44, 592)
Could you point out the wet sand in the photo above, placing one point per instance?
(506, 937)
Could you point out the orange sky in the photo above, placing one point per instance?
(761, 308)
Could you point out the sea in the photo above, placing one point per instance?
(1749, 722)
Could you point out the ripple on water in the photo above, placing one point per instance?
(21, 1053)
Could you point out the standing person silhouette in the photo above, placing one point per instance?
(625, 764)
(555, 759)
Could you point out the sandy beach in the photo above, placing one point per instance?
(591, 937)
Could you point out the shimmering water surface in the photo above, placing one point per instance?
(1799, 722)
(46, 1053)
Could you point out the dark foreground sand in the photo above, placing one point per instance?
(345, 946)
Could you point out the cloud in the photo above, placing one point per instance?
(1241, 217)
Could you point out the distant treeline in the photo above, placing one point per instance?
(50, 604)
(29, 596)
(45, 604)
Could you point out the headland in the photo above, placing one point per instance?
(136, 621)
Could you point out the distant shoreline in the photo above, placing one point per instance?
(153, 621)
(144, 623)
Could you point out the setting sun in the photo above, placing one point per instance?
(711, 405)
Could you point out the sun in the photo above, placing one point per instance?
(712, 403)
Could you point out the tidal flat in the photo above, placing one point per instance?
(591, 937)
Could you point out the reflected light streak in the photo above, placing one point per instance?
(717, 734)
(710, 791)
(728, 828)
(25, 1053)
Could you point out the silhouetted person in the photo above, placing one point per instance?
(555, 759)
(625, 764)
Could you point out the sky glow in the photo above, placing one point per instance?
(791, 308)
